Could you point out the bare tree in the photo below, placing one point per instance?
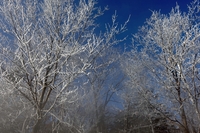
(138, 96)
(94, 110)
(104, 82)
(45, 47)
(168, 46)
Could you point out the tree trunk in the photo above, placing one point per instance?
(184, 120)
(182, 111)
(37, 127)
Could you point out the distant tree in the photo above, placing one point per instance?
(104, 82)
(46, 46)
(140, 99)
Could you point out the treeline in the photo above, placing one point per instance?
(58, 75)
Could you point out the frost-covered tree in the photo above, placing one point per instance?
(139, 96)
(169, 52)
(104, 84)
(46, 46)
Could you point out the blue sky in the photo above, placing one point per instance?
(138, 9)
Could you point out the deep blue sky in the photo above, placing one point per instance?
(138, 9)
